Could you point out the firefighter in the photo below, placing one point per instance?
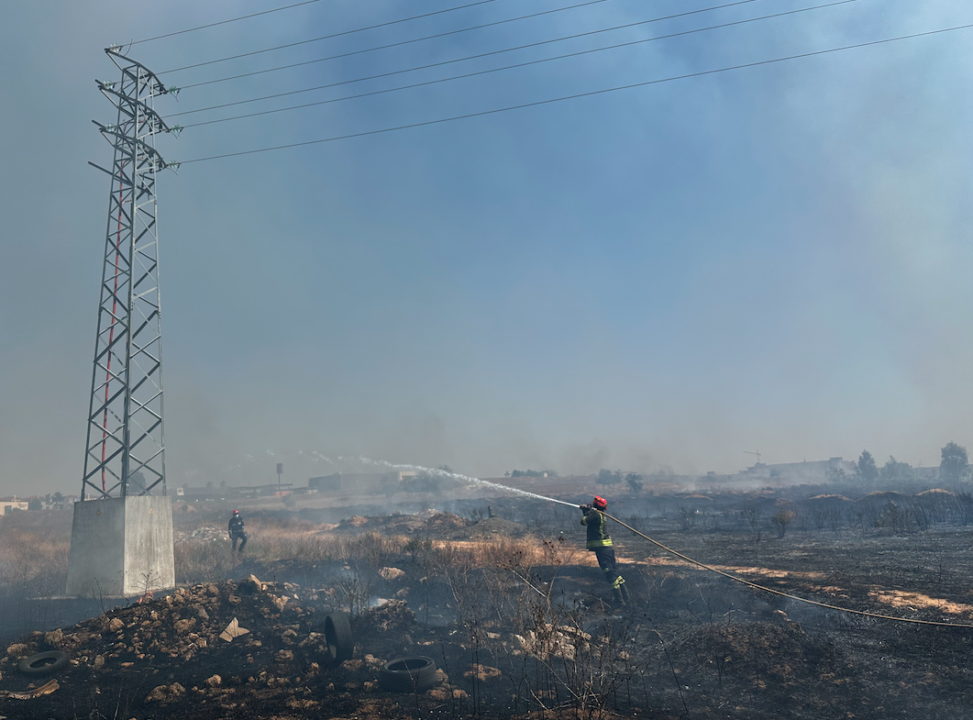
(236, 532)
(601, 544)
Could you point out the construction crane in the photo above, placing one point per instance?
(754, 452)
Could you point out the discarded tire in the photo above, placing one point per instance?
(337, 633)
(44, 663)
(409, 674)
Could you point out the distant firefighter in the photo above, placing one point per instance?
(601, 544)
(236, 531)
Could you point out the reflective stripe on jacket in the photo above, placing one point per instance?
(597, 530)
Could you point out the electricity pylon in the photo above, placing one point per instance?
(125, 446)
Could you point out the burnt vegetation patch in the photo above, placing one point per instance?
(518, 621)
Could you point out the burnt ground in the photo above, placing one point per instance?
(520, 626)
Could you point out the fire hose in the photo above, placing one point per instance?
(780, 593)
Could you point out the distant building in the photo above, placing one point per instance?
(12, 504)
(228, 492)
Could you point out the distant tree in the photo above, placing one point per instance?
(607, 477)
(446, 468)
(895, 471)
(422, 483)
(955, 464)
(35, 504)
(57, 498)
(136, 483)
(867, 470)
(532, 473)
(782, 520)
(836, 475)
(635, 482)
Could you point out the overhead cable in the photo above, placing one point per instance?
(358, 30)
(590, 93)
(223, 22)
(508, 67)
(468, 57)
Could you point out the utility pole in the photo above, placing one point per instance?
(280, 471)
(125, 414)
(121, 536)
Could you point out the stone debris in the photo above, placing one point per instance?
(216, 648)
(483, 673)
(18, 650)
(391, 573)
(233, 630)
(166, 693)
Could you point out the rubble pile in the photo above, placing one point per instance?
(211, 649)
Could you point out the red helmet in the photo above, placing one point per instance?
(599, 503)
(236, 512)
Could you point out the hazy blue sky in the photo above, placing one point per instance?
(777, 258)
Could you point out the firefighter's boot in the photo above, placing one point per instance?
(617, 592)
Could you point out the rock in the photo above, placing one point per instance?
(214, 682)
(115, 625)
(233, 630)
(184, 626)
(279, 602)
(353, 665)
(99, 661)
(439, 694)
(165, 693)
(250, 585)
(483, 673)
(441, 676)
(17, 650)
(391, 573)
(54, 638)
(283, 656)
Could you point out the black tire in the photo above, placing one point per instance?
(337, 633)
(45, 663)
(408, 674)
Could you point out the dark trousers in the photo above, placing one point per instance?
(240, 537)
(608, 565)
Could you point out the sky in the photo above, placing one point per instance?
(775, 258)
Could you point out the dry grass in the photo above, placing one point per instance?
(34, 551)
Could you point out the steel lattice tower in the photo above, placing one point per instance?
(125, 447)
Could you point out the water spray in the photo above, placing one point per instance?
(457, 477)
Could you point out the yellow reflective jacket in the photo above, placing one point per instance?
(597, 526)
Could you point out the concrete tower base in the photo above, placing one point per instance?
(121, 547)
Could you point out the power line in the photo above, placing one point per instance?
(575, 96)
(351, 32)
(517, 65)
(224, 22)
(454, 32)
(469, 57)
